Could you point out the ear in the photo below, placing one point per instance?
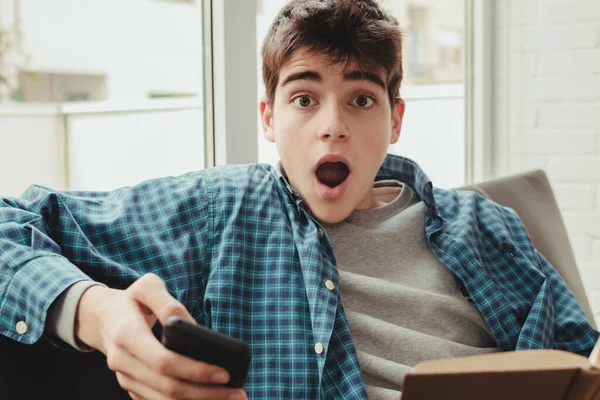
(266, 118)
(397, 117)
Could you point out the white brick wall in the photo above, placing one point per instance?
(547, 111)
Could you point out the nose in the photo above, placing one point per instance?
(333, 127)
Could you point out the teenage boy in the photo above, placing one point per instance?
(342, 269)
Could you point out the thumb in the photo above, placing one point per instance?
(151, 293)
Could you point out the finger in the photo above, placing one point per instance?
(134, 396)
(207, 392)
(138, 388)
(144, 347)
(151, 292)
(168, 386)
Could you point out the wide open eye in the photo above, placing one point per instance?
(303, 101)
(363, 101)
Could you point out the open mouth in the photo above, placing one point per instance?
(332, 174)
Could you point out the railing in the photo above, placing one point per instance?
(98, 146)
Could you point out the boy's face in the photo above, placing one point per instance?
(332, 130)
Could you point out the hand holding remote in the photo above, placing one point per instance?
(119, 322)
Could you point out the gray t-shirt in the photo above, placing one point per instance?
(403, 305)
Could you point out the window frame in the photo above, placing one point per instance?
(479, 76)
(230, 69)
(230, 91)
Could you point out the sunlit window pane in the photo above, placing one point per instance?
(112, 88)
(433, 131)
(433, 39)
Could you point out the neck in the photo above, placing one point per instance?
(370, 201)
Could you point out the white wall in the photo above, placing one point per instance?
(547, 111)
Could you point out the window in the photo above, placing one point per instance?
(99, 94)
(433, 132)
(111, 107)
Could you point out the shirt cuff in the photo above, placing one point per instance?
(26, 296)
(63, 311)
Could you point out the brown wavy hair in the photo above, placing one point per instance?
(345, 31)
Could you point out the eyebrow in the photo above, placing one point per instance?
(364, 76)
(304, 75)
(350, 76)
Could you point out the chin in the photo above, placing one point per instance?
(330, 214)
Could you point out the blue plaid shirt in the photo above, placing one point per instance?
(238, 248)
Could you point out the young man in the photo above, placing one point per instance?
(342, 269)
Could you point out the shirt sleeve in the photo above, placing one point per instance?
(573, 331)
(61, 315)
(50, 240)
(569, 328)
(33, 273)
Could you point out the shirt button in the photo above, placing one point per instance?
(318, 348)
(329, 285)
(320, 232)
(21, 327)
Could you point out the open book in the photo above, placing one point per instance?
(515, 375)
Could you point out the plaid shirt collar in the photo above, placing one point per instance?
(394, 167)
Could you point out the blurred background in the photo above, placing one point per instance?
(98, 94)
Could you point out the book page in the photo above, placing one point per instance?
(508, 361)
(595, 356)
